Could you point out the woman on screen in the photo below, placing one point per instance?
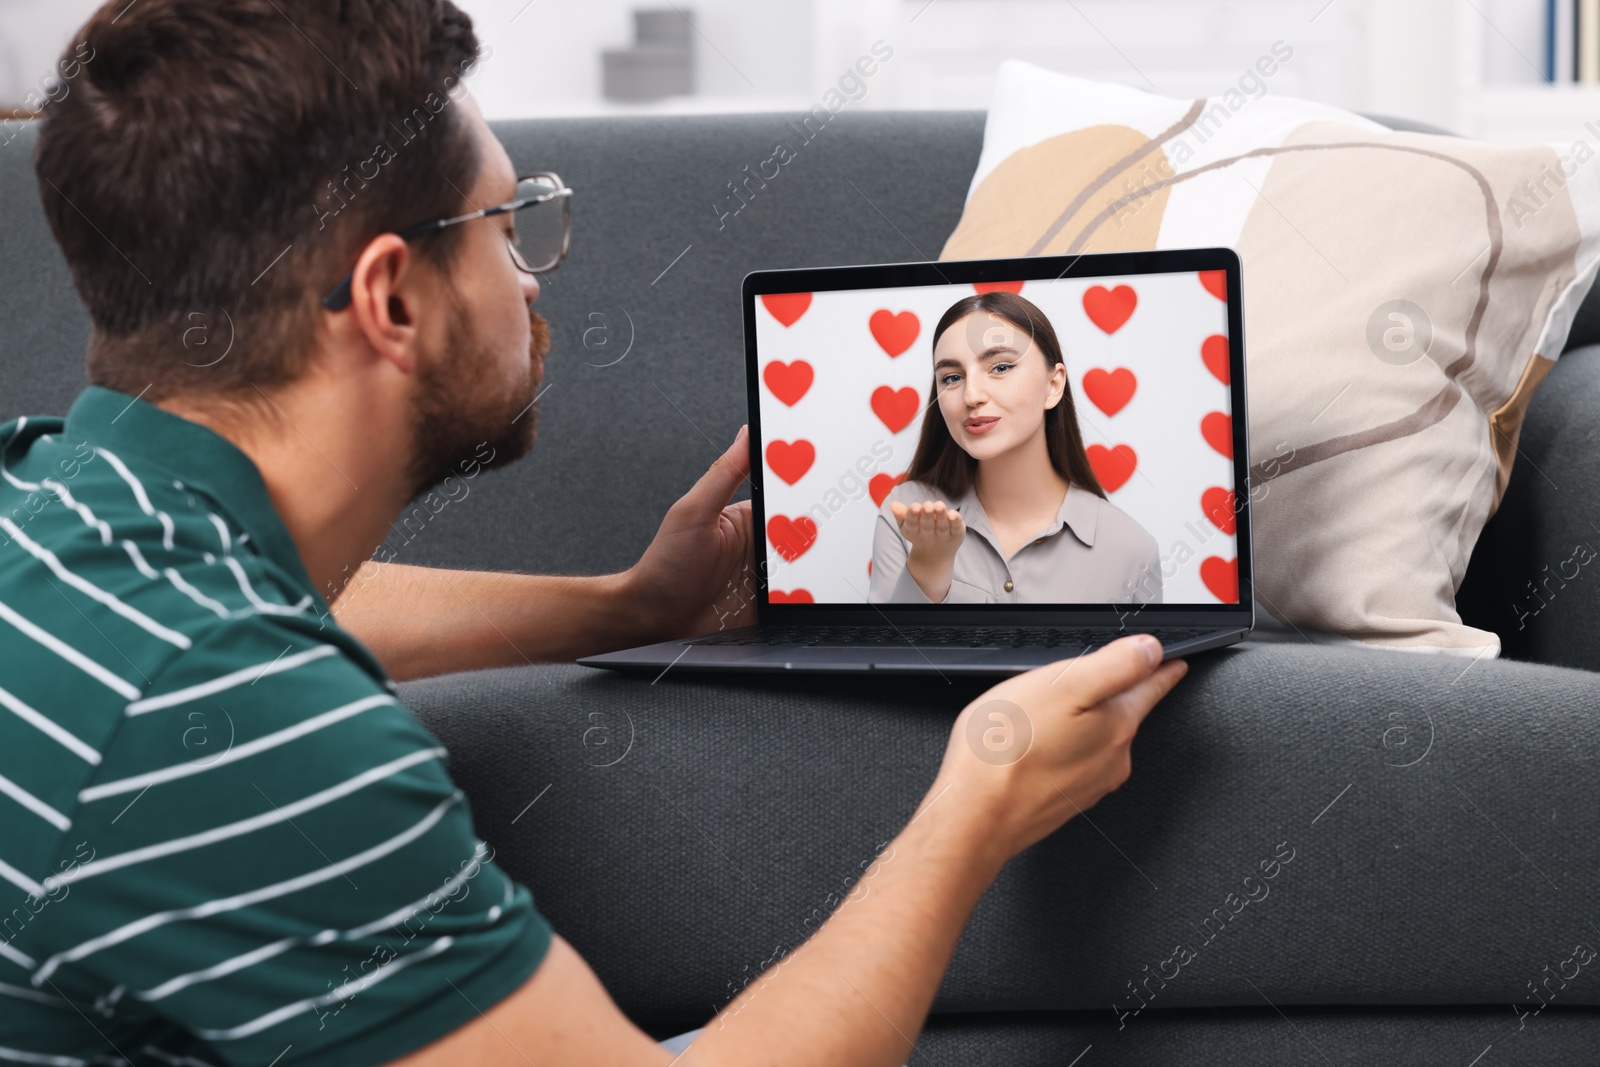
(1000, 504)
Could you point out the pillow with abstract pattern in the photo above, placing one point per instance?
(1404, 295)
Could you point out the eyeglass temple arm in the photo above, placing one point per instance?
(338, 298)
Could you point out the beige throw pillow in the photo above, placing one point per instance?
(1404, 295)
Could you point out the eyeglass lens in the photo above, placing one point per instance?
(541, 228)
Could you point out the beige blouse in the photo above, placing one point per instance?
(1092, 553)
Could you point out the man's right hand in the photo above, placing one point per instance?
(1023, 758)
(1041, 747)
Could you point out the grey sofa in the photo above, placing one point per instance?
(1440, 816)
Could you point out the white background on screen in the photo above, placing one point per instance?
(1161, 343)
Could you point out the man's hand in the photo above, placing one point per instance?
(695, 577)
(698, 574)
(1041, 747)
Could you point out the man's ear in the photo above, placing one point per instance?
(383, 309)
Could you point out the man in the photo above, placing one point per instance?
(225, 840)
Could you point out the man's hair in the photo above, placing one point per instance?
(215, 166)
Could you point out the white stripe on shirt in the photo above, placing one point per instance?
(5, 445)
(154, 921)
(278, 948)
(18, 992)
(229, 680)
(140, 496)
(194, 594)
(451, 884)
(181, 1061)
(88, 666)
(83, 511)
(230, 966)
(266, 607)
(505, 901)
(139, 560)
(222, 532)
(90, 590)
(239, 752)
(344, 992)
(50, 728)
(34, 804)
(243, 826)
(7, 949)
(16, 1055)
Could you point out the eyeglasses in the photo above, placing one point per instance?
(541, 234)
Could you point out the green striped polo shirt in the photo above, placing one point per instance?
(223, 840)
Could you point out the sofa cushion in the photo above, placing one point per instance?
(1441, 825)
(1260, 1037)
(1387, 390)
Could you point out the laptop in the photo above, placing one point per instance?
(888, 403)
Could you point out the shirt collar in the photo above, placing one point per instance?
(1079, 512)
(196, 456)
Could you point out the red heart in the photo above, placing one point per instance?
(1218, 504)
(1214, 353)
(997, 287)
(896, 407)
(797, 596)
(1216, 283)
(1110, 391)
(1217, 429)
(791, 537)
(894, 333)
(787, 307)
(791, 460)
(1112, 466)
(880, 485)
(1110, 308)
(788, 381)
(1221, 577)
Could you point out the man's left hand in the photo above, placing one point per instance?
(698, 574)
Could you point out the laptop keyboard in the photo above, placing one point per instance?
(938, 636)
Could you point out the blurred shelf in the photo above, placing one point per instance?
(1524, 114)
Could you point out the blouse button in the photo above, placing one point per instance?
(1008, 585)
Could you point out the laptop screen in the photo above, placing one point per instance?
(1065, 441)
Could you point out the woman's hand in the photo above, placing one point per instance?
(935, 532)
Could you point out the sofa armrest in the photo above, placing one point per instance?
(1534, 578)
(682, 834)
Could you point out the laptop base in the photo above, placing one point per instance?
(688, 655)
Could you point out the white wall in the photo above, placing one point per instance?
(33, 34)
(1419, 58)
(786, 53)
(546, 61)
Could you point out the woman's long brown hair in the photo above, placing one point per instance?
(944, 465)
